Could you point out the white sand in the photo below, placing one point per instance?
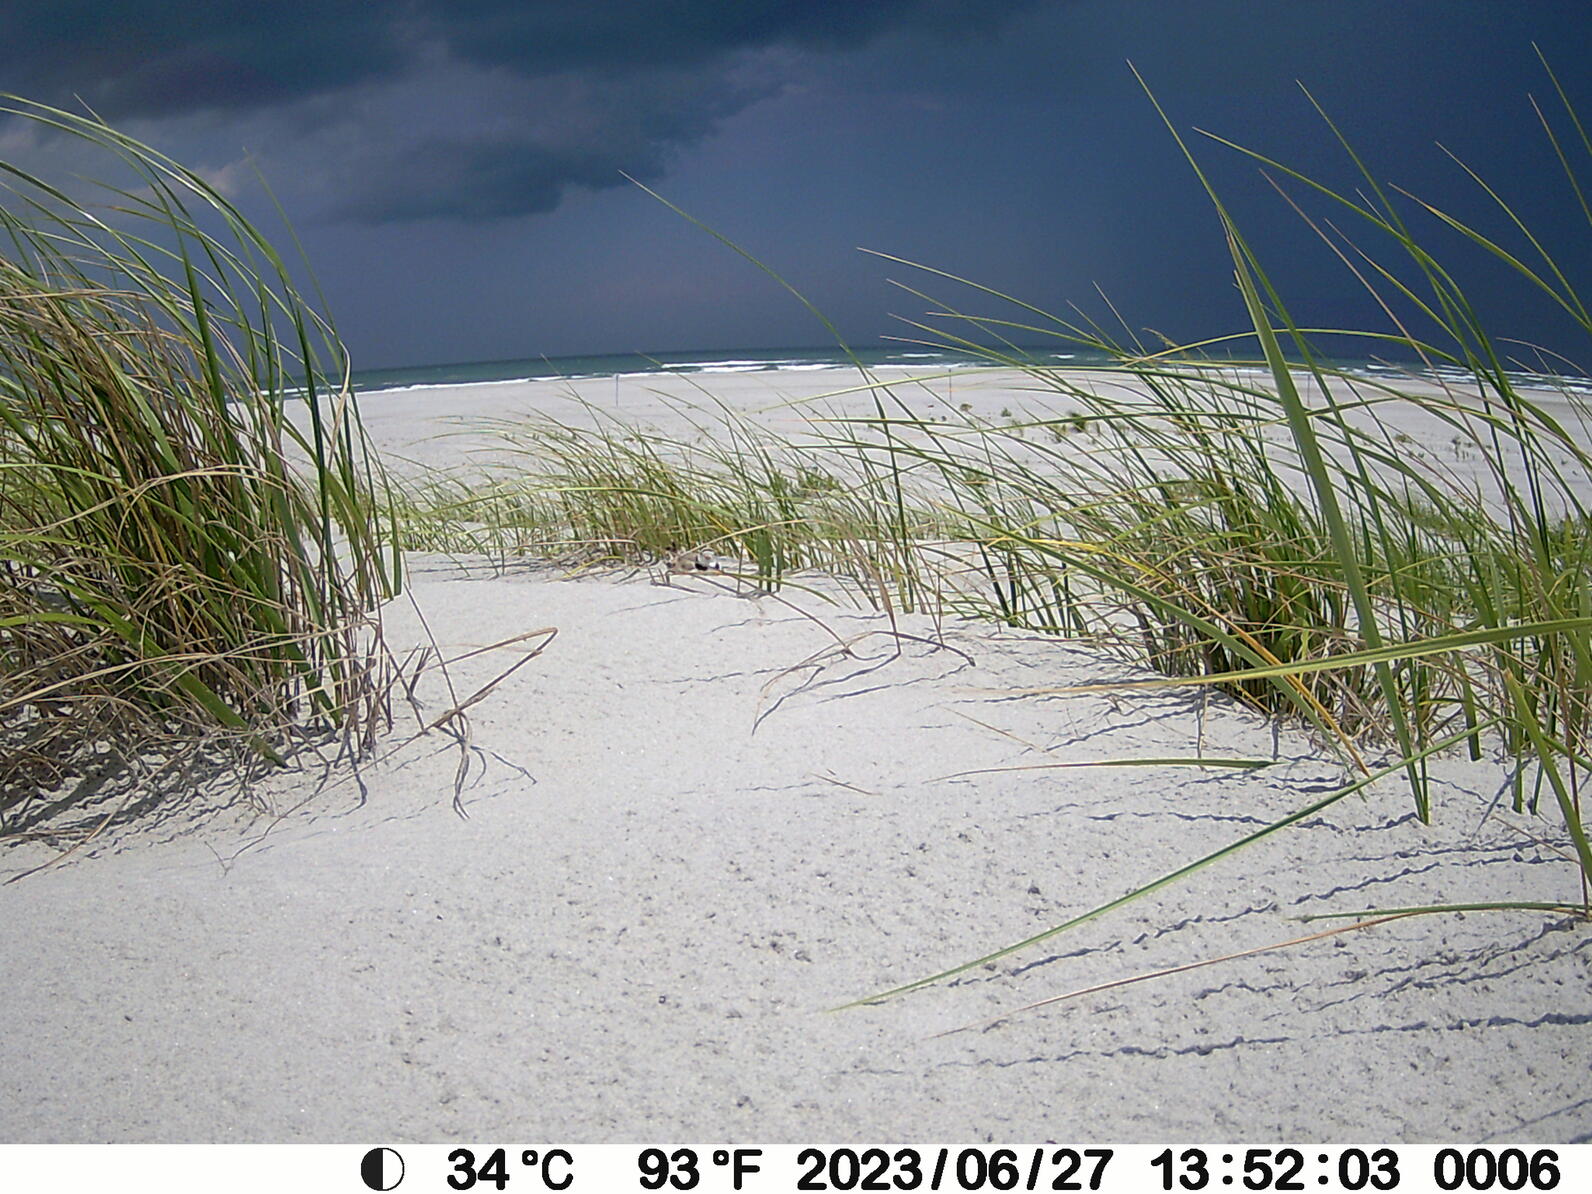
(695, 824)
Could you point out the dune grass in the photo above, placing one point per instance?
(602, 491)
(187, 573)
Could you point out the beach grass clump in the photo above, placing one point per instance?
(191, 546)
(608, 491)
(1180, 530)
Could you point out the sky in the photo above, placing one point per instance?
(460, 171)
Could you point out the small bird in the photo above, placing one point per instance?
(685, 563)
(688, 563)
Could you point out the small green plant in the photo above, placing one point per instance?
(1069, 424)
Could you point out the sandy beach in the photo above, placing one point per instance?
(700, 821)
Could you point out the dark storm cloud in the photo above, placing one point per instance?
(570, 94)
(158, 57)
(586, 135)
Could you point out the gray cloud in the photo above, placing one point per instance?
(532, 140)
(466, 109)
(159, 57)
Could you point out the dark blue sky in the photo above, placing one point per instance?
(454, 168)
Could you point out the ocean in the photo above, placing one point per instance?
(736, 361)
(370, 381)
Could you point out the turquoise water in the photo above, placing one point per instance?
(796, 359)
